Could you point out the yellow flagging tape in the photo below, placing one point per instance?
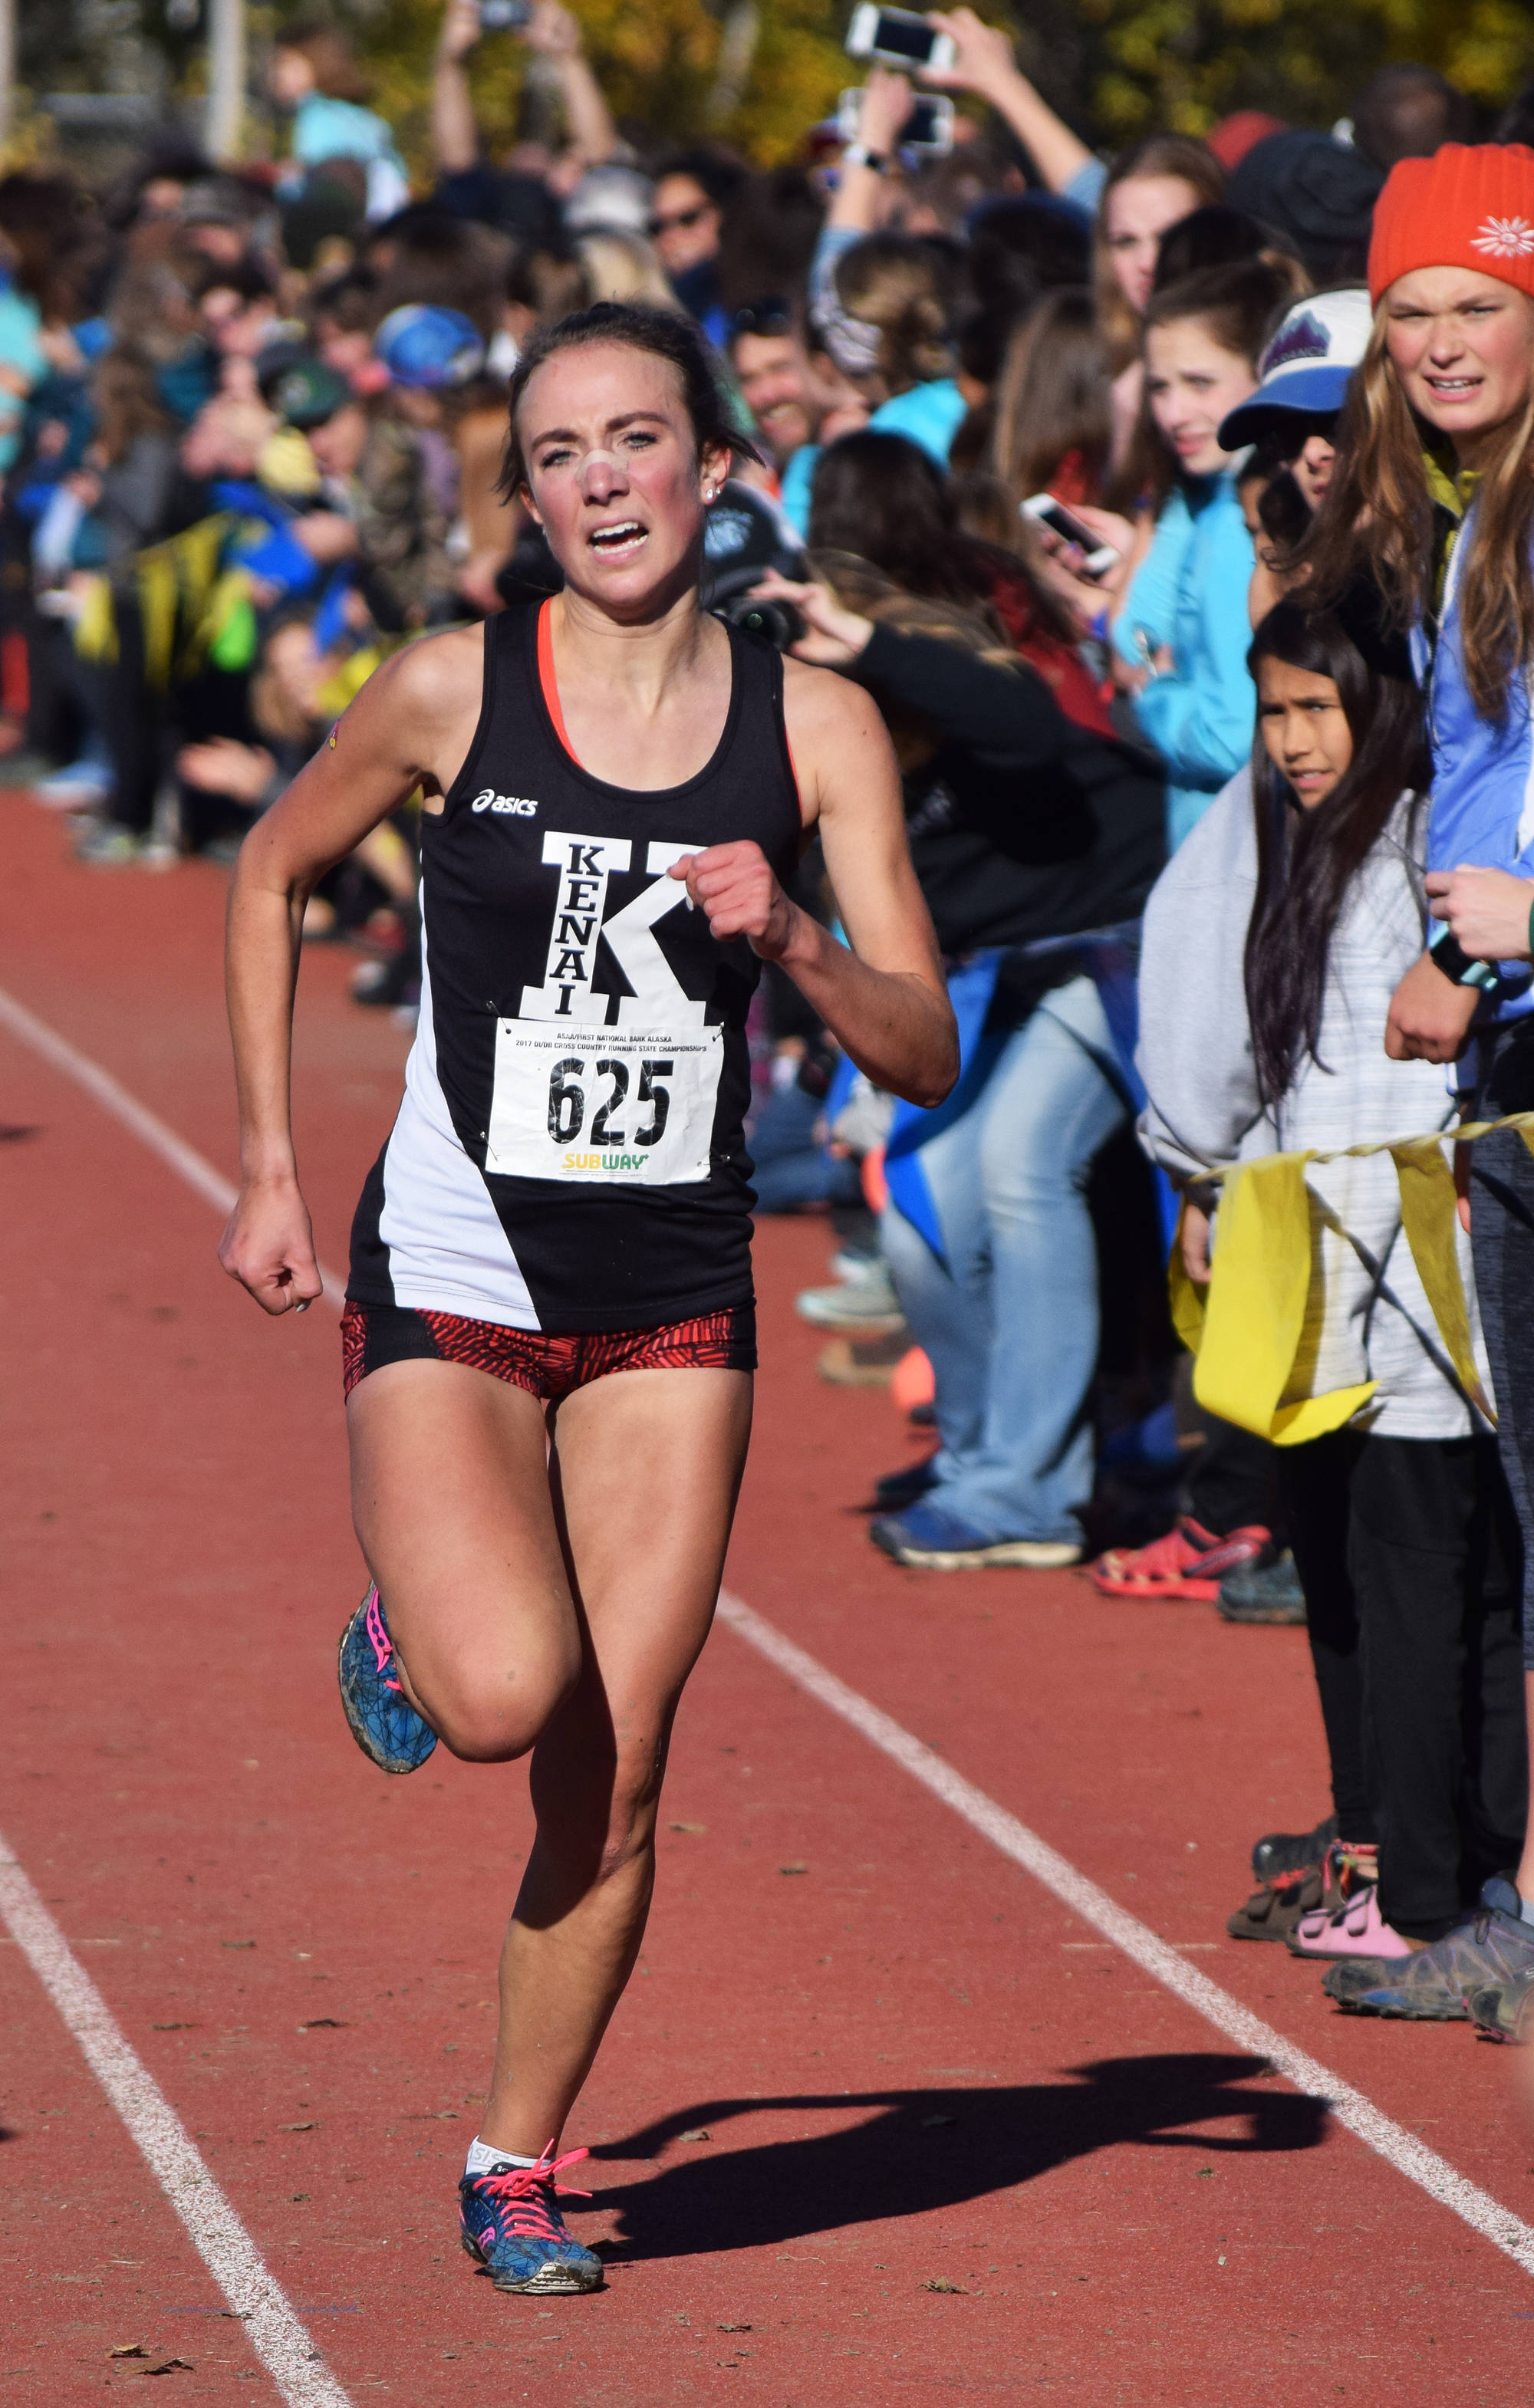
(1244, 1327)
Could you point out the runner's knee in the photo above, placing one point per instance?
(496, 1708)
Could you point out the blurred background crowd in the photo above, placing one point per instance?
(1043, 431)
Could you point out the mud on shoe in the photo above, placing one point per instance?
(1491, 1950)
(511, 2225)
(1504, 2009)
(380, 1717)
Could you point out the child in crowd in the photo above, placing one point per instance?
(1272, 945)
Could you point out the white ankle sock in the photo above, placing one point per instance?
(484, 2159)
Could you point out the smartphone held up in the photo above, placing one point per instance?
(928, 129)
(1044, 511)
(898, 37)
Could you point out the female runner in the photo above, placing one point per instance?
(549, 1330)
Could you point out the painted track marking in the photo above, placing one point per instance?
(217, 2234)
(1400, 2148)
(1368, 2123)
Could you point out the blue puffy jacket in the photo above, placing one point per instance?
(1481, 814)
(1190, 591)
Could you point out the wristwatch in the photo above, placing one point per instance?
(1449, 956)
(857, 154)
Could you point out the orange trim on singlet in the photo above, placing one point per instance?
(546, 675)
(551, 696)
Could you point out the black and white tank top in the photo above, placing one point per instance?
(569, 1154)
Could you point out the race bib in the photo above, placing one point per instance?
(583, 1102)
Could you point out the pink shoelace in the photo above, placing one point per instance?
(383, 1646)
(526, 2195)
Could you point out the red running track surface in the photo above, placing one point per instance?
(891, 2124)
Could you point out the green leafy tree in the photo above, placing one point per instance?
(1120, 68)
(659, 65)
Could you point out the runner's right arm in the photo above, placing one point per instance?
(412, 726)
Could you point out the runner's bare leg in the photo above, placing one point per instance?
(646, 1469)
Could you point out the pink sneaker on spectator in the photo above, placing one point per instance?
(1356, 1929)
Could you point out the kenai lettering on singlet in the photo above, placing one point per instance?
(570, 1154)
(638, 1101)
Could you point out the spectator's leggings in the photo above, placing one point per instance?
(1502, 1243)
(1409, 1552)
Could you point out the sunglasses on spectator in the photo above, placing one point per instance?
(762, 318)
(680, 218)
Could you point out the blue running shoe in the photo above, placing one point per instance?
(929, 1538)
(512, 2225)
(383, 1722)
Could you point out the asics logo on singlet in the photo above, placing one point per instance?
(523, 804)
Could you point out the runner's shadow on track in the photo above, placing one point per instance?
(924, 2149)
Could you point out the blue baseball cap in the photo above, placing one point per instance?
(1307, 365)
(429, 348)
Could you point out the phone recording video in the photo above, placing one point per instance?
(1045, 511)
(928, 129)
(897, 36)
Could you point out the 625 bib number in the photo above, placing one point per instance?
(604, 1103)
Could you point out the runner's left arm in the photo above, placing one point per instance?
(882, 995)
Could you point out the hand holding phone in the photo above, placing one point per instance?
(928, 128)
(982, 60)
(1045, 511)
(898, 37)
(884, 106)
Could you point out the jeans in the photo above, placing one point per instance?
(792, 1170)
(1010, 1322)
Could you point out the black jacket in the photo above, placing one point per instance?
(1025, 825)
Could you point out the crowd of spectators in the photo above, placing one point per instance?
(1047, 444)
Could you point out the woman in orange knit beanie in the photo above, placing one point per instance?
(1433, 504)
(1446, 383)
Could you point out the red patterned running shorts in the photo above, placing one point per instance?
(547, 1367)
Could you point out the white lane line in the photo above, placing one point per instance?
(220, 2238)
(160, 1138)
(1391, 2140)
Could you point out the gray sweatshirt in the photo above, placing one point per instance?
(1367, 1317)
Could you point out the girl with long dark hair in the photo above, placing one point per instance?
(1401, 1521)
